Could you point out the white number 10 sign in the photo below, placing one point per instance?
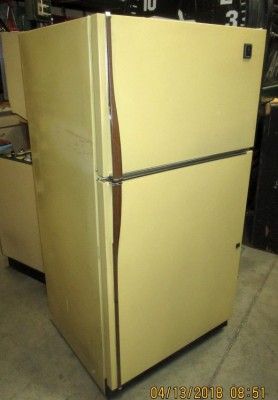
(150, 5)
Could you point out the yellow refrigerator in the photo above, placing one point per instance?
(142, 133)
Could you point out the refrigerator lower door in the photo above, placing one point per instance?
(178, 257)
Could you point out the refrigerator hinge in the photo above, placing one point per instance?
(104, 179)
(111, 180)
(116, 182)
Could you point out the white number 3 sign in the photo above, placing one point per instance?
(232, 15)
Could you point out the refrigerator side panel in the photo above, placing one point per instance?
(178, 257)
(58, 80)
(183, 90)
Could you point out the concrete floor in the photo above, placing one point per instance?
(36, 363)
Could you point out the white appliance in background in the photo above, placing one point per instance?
(13, 72)
(19, 230)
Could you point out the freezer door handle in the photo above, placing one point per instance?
(114, 121)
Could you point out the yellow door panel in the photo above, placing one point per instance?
(13, 71)
(19, 229)
(178, 258)
(183, 90)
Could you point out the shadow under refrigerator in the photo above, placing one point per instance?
(141, 131)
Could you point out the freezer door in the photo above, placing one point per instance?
(183, 90)
(178, 257)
